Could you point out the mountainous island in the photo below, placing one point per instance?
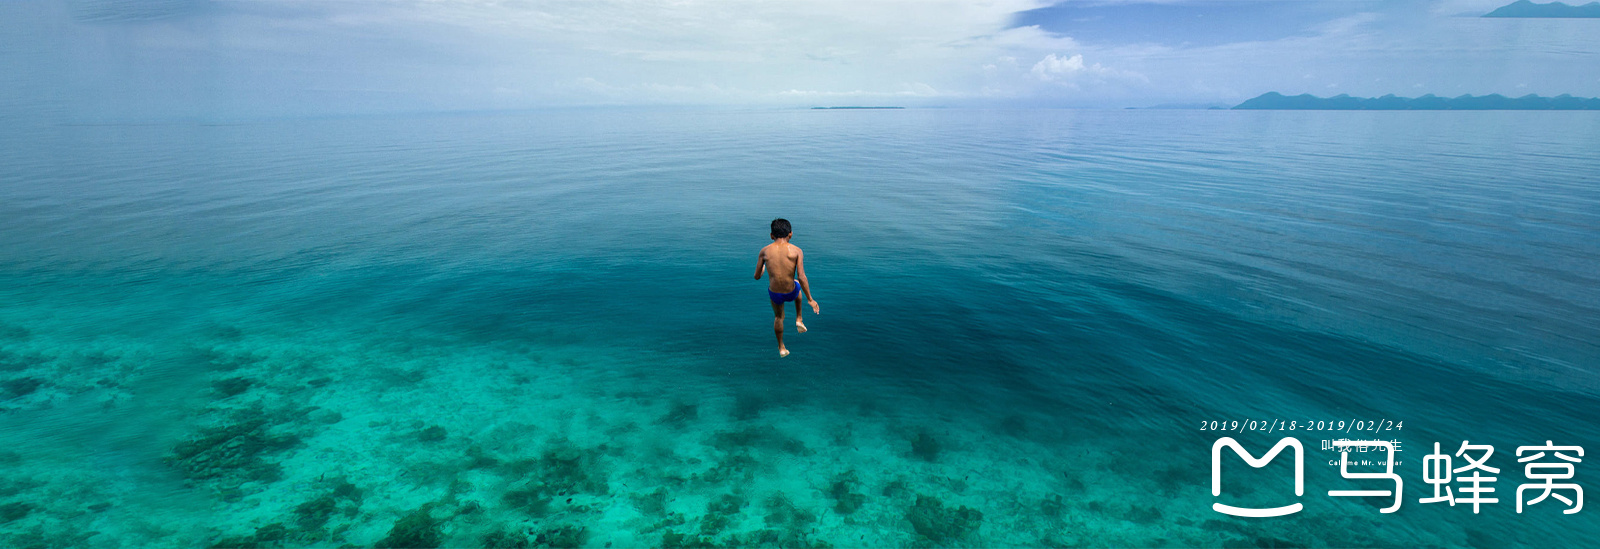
(1524, 8)
(1430, 102)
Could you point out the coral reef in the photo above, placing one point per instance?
(19, 387)
(764, 437)
(783, 513)
(845, 499)
(942, 525)
(11, 332)
(533, 499)
(280, 467)
(720, 513)
(567, 469)
(15, 510)
(232, 386)
(505, 539)
(557, 537)
(271, 535)
(416, 530)
(433, 433)
(652, 503)
(233, 453)
(925, 446)
(342, 499)
(676, 540)
(680, 415)
(310, 520)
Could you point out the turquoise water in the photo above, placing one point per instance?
(540, 329)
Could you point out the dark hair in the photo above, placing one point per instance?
(781, 228)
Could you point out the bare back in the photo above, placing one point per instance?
(781, 257)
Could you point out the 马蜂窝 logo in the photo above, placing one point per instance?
(1437, 471)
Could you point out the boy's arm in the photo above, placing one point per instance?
(761, 262)
(800, 279)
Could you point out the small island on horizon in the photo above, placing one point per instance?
(1555, 10)
(1429, 102)
(851, 108)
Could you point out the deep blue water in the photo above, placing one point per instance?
(1028, 313)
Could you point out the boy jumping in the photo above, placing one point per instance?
(786, 278)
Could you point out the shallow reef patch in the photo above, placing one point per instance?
(418, 529)
(235, 452)
(15, 510)
(924, 446)
(941, 525)
(762, 437)
(19, 387)
(843, 493)
(680, 415)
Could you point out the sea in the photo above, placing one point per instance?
(1037, 328)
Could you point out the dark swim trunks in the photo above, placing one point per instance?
(785, 298)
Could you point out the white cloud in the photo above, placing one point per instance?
(1073, 71)
(1053, 68)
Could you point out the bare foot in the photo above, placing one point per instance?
(801, 326)
(782, 352)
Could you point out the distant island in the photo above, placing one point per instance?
(1524, 8)
(1430, 102)
(832, 108)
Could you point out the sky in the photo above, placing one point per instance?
(242, 58)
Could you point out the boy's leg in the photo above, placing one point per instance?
(777, 327)
(799, 323)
